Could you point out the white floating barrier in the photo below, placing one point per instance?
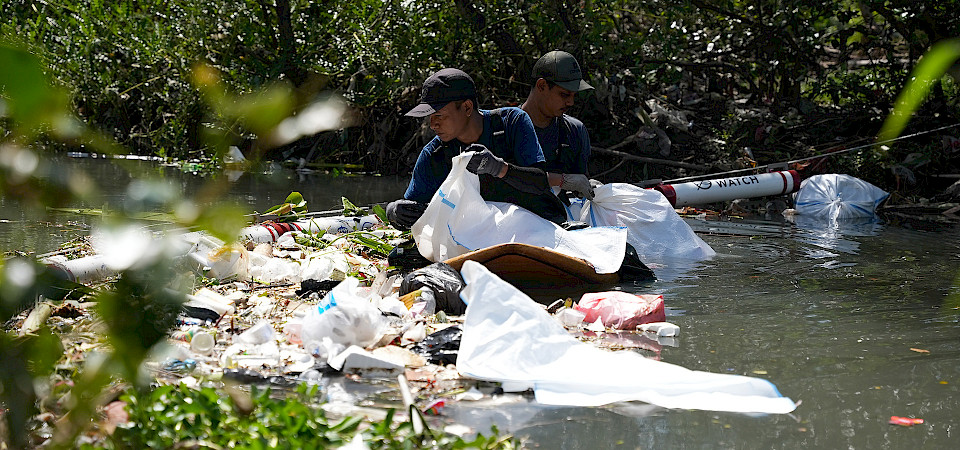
(270, 232)
(725, 189)
(83, 270)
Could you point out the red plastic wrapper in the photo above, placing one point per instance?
(904, 421)
(621, 310)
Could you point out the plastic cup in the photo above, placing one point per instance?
(202, 343)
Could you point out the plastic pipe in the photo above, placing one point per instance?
(725, 189)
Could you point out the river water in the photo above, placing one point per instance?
(859, 324)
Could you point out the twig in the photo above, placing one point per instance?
(644, 159)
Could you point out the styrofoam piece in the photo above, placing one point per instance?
(355, 358)
(570, 317)
(661, 329)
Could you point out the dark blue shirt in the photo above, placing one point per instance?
(570, 156)
(436, 159)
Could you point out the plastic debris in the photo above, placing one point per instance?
(441, 347)
(571, 317)
(180, 366)
(835, 196)
(905, 421)
(200, 341)
(473, 394)
(621, 310)
(661, 329)
(210, 300)
(344, 317)
(510, 339)
(442, 281)
(597, 326)
(355, 359)
(434, 408)
(261, 333)
(248, 376)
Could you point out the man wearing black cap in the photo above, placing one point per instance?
(564, 139)
(508, 157)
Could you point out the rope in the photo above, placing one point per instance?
(859, 147)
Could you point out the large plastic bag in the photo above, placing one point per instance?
(443, 281)
(837, 196)
(509, 338)
(343, 317)
(621, 310)
(653, 226)
(458, 221)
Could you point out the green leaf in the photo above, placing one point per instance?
(379, 211)
(296, 199)
(23, 82)
(263, 110)
(349, 209)
(932, 66)
(223, 221)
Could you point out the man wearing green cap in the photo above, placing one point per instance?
(566, 145)
(508, 155)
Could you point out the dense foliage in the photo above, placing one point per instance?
(127, 64)
(177, 416)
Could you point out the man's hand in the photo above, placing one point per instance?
(404, 213)
(578, 183)
(595, 184)
(485, 162)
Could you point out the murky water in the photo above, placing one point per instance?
(858, 324)
(34, 232)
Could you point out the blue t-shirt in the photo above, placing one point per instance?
(436, 159)
(570, 156)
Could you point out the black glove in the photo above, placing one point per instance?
(578, 183)
(403, 213)
(484, 162)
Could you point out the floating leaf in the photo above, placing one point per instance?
(349, 209)
(919, 350)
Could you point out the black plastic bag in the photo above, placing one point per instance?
(445, 282)
(441, 347)
(632, 269)
(406, 257)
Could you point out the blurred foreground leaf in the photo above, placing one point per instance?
(932, 66)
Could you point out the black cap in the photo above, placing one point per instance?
(445, 86)
(561, 68)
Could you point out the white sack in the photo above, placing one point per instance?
(835, 196)
(653, 226)
(458, 221)
(509, 338)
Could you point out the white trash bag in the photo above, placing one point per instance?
(458, 221)
(653, 226)
(836, 196)
(509, 338)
